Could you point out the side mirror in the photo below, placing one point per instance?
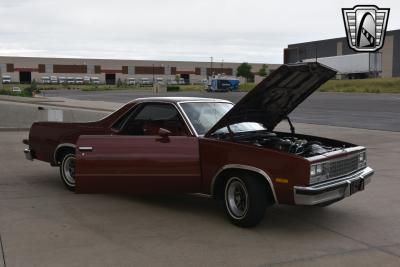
(164, 133)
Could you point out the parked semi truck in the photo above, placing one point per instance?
(354, 66)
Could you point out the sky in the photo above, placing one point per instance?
(254, 31)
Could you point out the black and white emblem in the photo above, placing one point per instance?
(365, 27)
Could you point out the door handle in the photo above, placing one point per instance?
(85, 148)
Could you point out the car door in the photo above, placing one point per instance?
(139, 157)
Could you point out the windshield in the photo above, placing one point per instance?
(203, 115)
(242, 127)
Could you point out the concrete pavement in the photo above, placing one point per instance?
(43, 224)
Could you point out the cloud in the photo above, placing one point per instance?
(252, 30)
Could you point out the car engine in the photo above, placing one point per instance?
(289, 144)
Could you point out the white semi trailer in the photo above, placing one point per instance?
(360, 65)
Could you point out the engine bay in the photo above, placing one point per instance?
(301, 145)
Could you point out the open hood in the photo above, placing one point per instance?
(277, 95)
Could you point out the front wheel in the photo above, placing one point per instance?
(245, 199)
(67, 171)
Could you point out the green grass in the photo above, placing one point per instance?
(245, 87)
(380, 85)
(7, 90)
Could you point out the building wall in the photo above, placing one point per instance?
(123, 69)
(339, 46)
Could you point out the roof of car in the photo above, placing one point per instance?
(180, 99)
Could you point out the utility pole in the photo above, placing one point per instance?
(1, 79)
(153, 73)
(211, 67)
(222, 66)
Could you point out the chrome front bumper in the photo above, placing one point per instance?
(334, 190)
(28, 154)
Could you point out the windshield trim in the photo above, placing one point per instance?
(199, 101)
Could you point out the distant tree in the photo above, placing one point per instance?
(119, 82)
(263, 72)
(32, 88)
(244, 70)
(34, 85)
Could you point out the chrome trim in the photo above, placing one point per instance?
(248, 168)
(335, 153)
(331, 190)
(60, 146)
(186, 120)
(346, 157)
(28, 154)
(85, 148)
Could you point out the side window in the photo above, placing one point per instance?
(123, 119)
(151, 117)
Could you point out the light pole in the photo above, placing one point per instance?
(153, 73)
(222, 66)
(211, 67)
(1, 79)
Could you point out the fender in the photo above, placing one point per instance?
(247, 168)
(61, 146)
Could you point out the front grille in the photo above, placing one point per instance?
(342, 166)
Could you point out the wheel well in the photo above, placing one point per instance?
(221, 179)
(62, 151)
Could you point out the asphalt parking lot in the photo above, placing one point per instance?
(356, 110)
(43, 224)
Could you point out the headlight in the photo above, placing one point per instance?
(317, 173)
(362, 159)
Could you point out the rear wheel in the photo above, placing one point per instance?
(67, 171)
(245, 200)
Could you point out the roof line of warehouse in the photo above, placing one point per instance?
(336, 38)
(139, 60)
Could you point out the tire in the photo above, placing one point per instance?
(245, 200)
(67, 171)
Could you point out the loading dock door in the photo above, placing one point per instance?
(25, 77)
(186, 77)
(110, 78)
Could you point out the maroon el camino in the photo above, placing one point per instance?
(209, 146)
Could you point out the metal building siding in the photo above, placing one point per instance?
(68, 68)
(328, 48)
(396, 53)
(324, 48)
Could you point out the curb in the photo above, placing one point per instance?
(14, 129)
(51, 103)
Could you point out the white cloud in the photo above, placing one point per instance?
(252, 30)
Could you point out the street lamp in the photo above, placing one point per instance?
(1, 79)
(211, 67)
(153, 73)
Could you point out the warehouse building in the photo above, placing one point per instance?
(386, 61)
(25, 69)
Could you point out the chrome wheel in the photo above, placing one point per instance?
(68, 170)
(236, 198)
